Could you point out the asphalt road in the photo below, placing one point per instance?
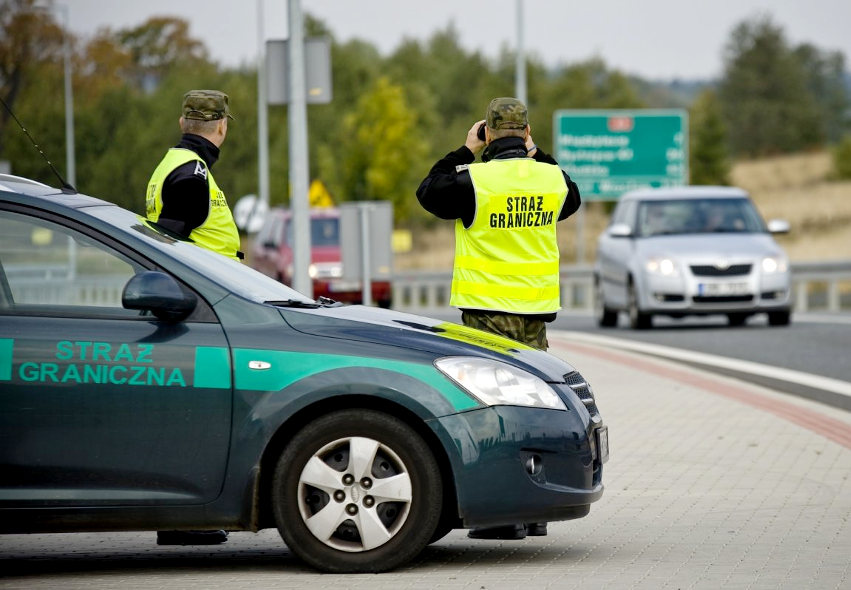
(816, 343)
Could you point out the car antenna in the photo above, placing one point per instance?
(66, 188)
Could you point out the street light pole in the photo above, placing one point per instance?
(520, 73)
(69, 100)
(297, 111)
(262, 113)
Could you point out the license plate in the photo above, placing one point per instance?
(603, 444)
(344, 286)
(722, 288)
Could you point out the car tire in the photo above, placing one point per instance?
(325, 492)
(606, 317)
(638, 320)
(779, 318)
(737, 319)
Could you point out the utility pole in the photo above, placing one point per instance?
(262, 114)
(520, 71)
(70, 160)
(297, 117)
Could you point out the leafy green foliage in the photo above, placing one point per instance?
(709, 161)
(842, 159)
(391, 116)
(764, 93)
(382, 148)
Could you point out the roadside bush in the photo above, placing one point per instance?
(842, 159)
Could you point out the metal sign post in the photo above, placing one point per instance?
(366, 230)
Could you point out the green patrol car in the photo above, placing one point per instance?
(148, 384)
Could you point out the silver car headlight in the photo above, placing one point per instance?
(661, 266)
(499, 384)
(772, 264)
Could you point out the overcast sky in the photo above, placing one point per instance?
(657, 39)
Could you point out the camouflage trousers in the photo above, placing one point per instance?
(531, 331)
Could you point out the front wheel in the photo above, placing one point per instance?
(638, 320)
(737, 319)
(357, 491)
(779, 318)
(606, 317)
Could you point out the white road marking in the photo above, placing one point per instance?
(773, 372)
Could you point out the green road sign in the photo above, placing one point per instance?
(608, 152)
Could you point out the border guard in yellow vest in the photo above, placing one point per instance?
(506, 275)
(182, 194)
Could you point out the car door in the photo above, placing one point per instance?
(101, 405)
(614, 255)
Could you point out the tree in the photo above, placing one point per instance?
(158, 45)
(825, 80)
(764, 95)
(709, 161)
(29, 37)
(383, 149)
(842, 159)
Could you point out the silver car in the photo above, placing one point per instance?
(690, 250)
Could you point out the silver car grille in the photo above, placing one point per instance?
(706, 270)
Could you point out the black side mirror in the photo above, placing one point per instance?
(160, 294)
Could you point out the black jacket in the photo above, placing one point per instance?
(186, 192)
(449, 194)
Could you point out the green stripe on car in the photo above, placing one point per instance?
(285, 368)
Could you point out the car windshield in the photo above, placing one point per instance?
(324, 231)
(698, 216)
(234, 276)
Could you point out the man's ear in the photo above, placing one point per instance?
(528, 132)
(180, 123)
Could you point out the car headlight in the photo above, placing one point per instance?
(772, 264)
(499, 384)
(312, 271)
(661, 266)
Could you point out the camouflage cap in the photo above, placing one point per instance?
(506, 113)
(206, 105)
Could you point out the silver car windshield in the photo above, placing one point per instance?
(697, 216)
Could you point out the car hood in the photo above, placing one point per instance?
(441, 338)
(728, 245)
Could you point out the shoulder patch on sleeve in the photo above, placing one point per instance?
(462, 167)
(200, 169)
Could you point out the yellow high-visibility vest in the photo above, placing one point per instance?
(508, 259)
(218, 232)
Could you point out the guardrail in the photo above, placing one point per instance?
(822, 286)
(816, 286)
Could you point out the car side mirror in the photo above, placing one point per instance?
(620, 230)
(160, 294)
(778, 226)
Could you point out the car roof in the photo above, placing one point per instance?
(32, 192)
(25, 186)
(685, 192)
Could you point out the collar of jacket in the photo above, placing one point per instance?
(503, 148)
(201, 146)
